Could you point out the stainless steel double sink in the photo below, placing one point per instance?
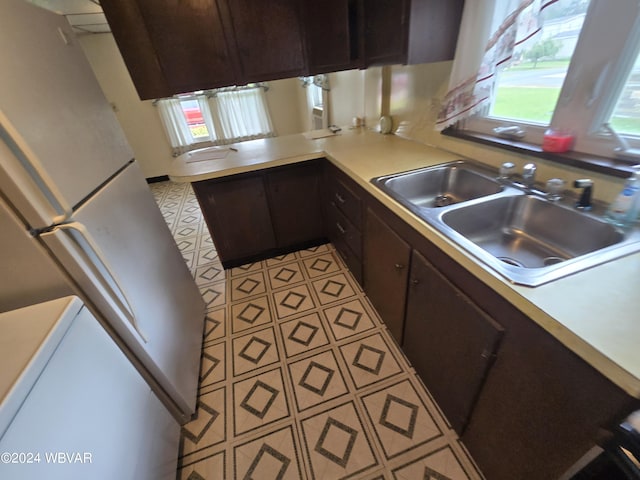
(524, 237)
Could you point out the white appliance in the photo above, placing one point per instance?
(72, 405)
(76, 215)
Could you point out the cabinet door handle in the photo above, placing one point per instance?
(340, 198)
(341, 228)
(399, 266)
(415, 281)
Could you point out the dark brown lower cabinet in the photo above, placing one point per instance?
(295, 203)
(450, 342)
(386, 259)
(533, 410)
(237, 215)
(256, 215)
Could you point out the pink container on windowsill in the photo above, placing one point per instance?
(557, 140)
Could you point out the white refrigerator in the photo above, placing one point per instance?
(72, 407)
(76, 215)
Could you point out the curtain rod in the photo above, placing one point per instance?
(215, 91)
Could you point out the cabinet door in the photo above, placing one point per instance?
(386, 271)
(190, 43)
(385, 31)
(138, 52)
(237, 215)
(331, 29)
(450, 342)
(268, 38)
(433, 30)
(294, 199)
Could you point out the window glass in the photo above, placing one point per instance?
(626, 115)
(316, 95)
(527, 89)
(195, 119)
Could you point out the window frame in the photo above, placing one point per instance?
(597, 73)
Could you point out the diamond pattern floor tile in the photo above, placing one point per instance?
(271, 456)
(303, 334)
(400, 418)
(259, 401)
(370, 360)
(293, 301)
(317, 379)
(336, 443)
(254, 351)
(299, 377)
(348, 319)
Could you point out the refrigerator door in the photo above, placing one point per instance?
(52, 109)
(122, 256)
(27, 273)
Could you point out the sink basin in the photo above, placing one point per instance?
(532, 241)
(522, 236)
(439, 186)
(529, 232)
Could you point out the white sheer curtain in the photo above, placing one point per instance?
(175, 123)
(203, 104)
(242, 114)
(489, 31)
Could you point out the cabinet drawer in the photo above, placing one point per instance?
(340, 227)
(347, 201)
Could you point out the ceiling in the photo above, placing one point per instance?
(85, 16)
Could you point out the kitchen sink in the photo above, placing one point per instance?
(530, 232)
(521, 235)
(439, 186)
(532, 241)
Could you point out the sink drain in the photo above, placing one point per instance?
(443, 201)
(552, 261)
(511, 261)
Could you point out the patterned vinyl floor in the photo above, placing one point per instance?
(300, 379)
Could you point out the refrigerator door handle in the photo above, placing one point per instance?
(36, 175)
(87, 244)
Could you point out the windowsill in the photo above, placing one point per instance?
(594, 163)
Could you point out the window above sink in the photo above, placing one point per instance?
(574, 73)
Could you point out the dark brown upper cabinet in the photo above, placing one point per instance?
(386, 27)
(178, 46)
(190, 43)
(267, 38)
(172, 46)
(332, 35)
(410, 31)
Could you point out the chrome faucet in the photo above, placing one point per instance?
(529, 175)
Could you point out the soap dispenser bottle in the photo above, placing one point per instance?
(624, 209)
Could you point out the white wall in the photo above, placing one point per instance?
(346, 97)
(283, 98)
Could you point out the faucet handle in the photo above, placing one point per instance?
(555, 187)
(529, 175)
(529, 169)
(507, 170)
(584, 202)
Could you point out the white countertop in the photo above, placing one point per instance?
(595, 313)
(28, 338)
